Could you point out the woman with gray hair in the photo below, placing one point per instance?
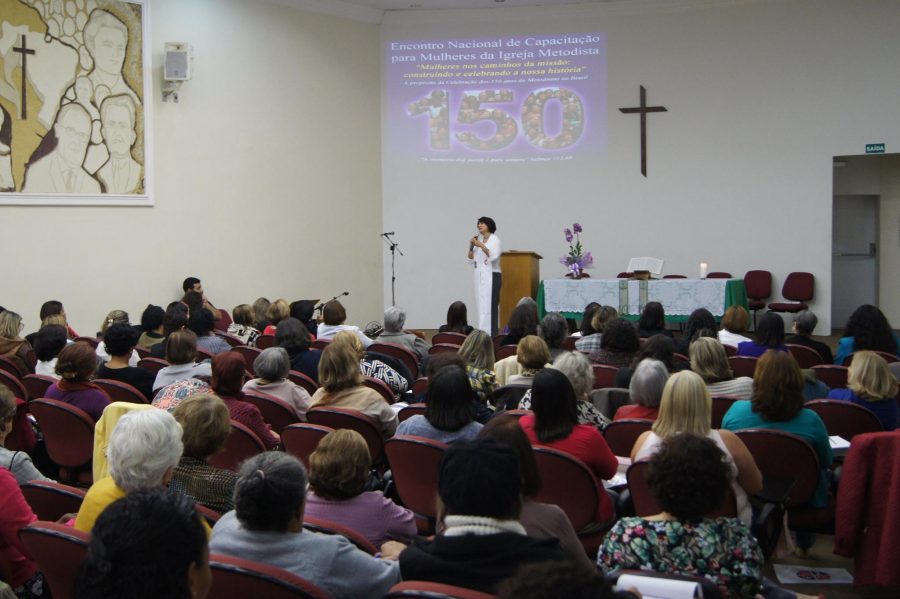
(267, 526)
(143, 451)
(272, 366)
(646, 388)
(580, 372)
(394, 319)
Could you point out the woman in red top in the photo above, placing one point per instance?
(227, 380)
(555, 424)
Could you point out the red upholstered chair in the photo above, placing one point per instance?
(51, 500)
(806, 357)
(224, 320)
(719, 275)
(142, 352)
(505, 351)
(242, 443)
(320, 344)
(645, 504)
(743, 365)
(298, 378)
(414, 464)
(383, 389)
(402, 353)
(758, 284)
(798, 288)
(36, 384)
(420, 589)
(720, 406)
(211, 516)
(674, 277)
(265, 341)
(230, 339)
(620, 435)
(17, 386)
(202, 355)
(152, 364)
(449, 338)
(604, 376)
(249, 354)
(333, 528)
(730, 350)
(416, 409)
(844, 418)
(569, 343)
(69, 437)
(508, 397)
(440, 348)
(832, 375)
(683, 358)
(236, 578)
(119, 391)
(420, 386)
(515, 413)
(278, 413)
(498, 341)
(301, 439)
(92, 341)
(11, 367)
(338, 418)
(59, 550)
(888, 357)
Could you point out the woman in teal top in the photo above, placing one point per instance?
(867, 328)
(777, 404)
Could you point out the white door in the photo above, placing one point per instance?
(854, 262)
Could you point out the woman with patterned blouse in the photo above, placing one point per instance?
(375, 369)
(478, 352)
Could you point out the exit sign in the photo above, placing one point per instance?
(874, 148)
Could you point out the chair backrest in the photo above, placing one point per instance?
(333, 528)
(720, 406)
(16, 385)
(497, 340)
(249, 354)
(420, 386)
(236, 578)
(844, 418)
(68, 432)
(888, 357)
(415, 409)
(232, 340)
(11, 367)
(620, 435)
(832, 375)
(202, 355)
(646, 504)
(242, 443)
(743, 365)
(384, 390)
(210, 515)
(604, 376)
(265, 341)
(806, 356)
(59, 550)
(610, 399)
(676, 357)
(36, 384)
(730, 350)
(508, 397)
(275, 411)
(798, 287)
(142, 352)
(414, 464)
(152, 364)
(758, 284)
(505, 351)
(320, 344)
(119, 391)
(441, 348)
(568, 343)
(298, 378)
(338, 418)
(719, 275)
(783, 456)
(568, 483)
(420, 589)
(50, 500)
(402, 353)
(449, 338)
(301, 439)
(92, 341)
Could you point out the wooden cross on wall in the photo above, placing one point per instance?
(643, 109)
(24, 51)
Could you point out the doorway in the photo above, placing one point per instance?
(854, 255)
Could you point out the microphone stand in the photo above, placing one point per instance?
(322, 304)
(395, 248)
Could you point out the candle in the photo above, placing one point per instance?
(704, 268)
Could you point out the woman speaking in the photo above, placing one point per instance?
(484, 252)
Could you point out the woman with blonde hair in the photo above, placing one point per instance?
(341, 386)
(478, 352)
(708, 359)
(373, 368)
(871, 385)
(686, 407)
(275, 313)
(12, 345)
(338, 474)
(242, 327)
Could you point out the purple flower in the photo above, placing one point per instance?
(588, 259)
(568, 233)
(577, 228)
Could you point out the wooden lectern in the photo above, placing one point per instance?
(521, 277)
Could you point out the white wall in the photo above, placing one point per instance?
(761, 95)
(267, 177)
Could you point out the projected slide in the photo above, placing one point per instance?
(530, 98)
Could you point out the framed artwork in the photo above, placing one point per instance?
(75, 101)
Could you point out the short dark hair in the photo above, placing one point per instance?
(770, 330)
(270, 489)
(777, 387)
(152, 318)
(124, 558)
(653, 316)
(553, 401)
(201, 322)
(441, 360)
(659, 347)
(489, 223)
(228, 370)
(176, 318)
(76, 362)
(554, 329)
(292, 335)
(51, 307)
(181, 347)
(193, 300)
(120, 339)
(523, 320)
(689, 476)
(50, 340)
(589, 311)
(870, 330)
(333, 313)
(507, 430)
(450, 401)
(457, 319)
(700, 319)
(480, 478)
(620, 335)
(188, 284)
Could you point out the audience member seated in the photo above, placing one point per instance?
(734, 326)
(173, 394)
(202, 323)
(303, 311)
(17, 462)
(242, 324)
(205, 424)
(708, 359)
(48, 342)
(541, 520)
(114, 317)
(532, 356)
(449, 409)
(394, 319)
(338, 473)
(555, 424)
(272, 366)
(227, 381)
(143, 451)
(600, 317)
(370, 367)
(689, 477)
(176, 319)
(193, 288)
(276, 312)
(181, 353)
(120, 340)
(457, 320)
(12, 345)
(341, 387)
(658, 347)
(294, 338)
(701, 323)
(554, 330)
(150, 544)
(75, 367)
(52, 312)
(686, 407)
(580, 373)
(652, 321)
(769, 335)
(478, 352)
(151, 326)
(867, 328)
(333, 318)
(619, 345)
(20, 571)
(871, 385)
(777, 403)
(260, 308)
(804, 324)
(523, 321)
(482, 542)
(267, 526)
(645, 390)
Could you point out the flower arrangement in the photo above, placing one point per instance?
(577, 259)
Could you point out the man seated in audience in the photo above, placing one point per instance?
(193, 284)
(394, 319)
(175, 319)
(120, 340)
(804, 324)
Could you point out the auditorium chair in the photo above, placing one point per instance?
(302, 438)
(328, 527)
(620, 435)
(401, 352)
(69, 438)
(604, 376)
(806, 356)
(845, 419)
(277, 413)
(298, 378)
(338, 418)
(721, 405)
(414, 409)
(758, 285)
(383, 389)
(242, 443)
(449, 338)
(798, 288)
(414, 464)
(832, 375)
(420, 589)
(249, 354)
(119, 391)
(58, 550)
(719, 275)
(265, 342)
(236, 578)
(743, 365)
(50, 500)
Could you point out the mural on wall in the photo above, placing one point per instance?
(72, 101)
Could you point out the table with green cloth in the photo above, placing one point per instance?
(679, 297)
